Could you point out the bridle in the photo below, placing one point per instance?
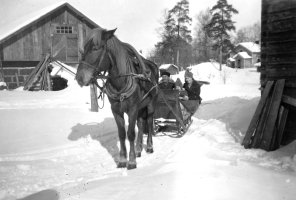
(127, 90)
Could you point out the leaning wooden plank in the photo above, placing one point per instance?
(30, 79)
(283, 115)
(35, 74)
(258, 135)
(41, 74)
(255, 120)
(268, 130)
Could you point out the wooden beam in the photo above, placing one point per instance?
(289, 100)
(268, 130)
(255, 120)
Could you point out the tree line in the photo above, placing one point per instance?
(212, 38)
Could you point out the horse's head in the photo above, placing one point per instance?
(94, 58)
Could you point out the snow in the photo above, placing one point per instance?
(167, 66)
(253, 47)
(53, 147)
(242, 54)
(19, 23)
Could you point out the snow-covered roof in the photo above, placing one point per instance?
(166, 66)
(231, 59)
(251, 46)
(258, 64)
(23, 21)
(243, 54)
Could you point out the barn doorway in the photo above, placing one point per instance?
(58, 83)
(64, 44)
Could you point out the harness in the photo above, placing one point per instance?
(126, 91)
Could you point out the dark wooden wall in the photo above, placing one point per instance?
(278, 35)
(278, 52)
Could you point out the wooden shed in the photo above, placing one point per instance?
(59, 30)
(171, 68)
(274, 122)
(251, 48)
(242, 60)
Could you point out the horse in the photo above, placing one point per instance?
(130, 84)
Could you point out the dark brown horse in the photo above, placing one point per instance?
(131, 87)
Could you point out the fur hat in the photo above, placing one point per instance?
(179, 83)
(188, 74)
(165, 73)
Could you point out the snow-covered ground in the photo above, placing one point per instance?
(53, 147)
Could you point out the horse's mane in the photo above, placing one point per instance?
(123, 53)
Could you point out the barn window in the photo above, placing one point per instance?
(65, 29)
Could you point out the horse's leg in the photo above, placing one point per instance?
(149, 122)
(119, 118)
(139, 144)
(132, 116)
(142, 128)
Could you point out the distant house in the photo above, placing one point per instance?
(242, 60)
(173, 69)
(57, 30)
(246, 54)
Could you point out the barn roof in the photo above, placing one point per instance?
(166, 66)
(22, 23)
(243, 54)
(251, 46)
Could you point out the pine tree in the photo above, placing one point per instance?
(176, 37)
(202, 43)
(220, 26)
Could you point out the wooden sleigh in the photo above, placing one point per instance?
(173, 114)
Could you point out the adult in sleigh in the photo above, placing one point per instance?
(176, 105)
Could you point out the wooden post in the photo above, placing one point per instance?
(1, 72)
(17, 79)
(94, 98)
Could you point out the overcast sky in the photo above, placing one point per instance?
(136, 20)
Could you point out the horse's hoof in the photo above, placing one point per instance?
(121, 165)
(149, 150)
(138, 154)
(131, 166)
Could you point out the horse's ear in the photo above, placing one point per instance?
(106, 35)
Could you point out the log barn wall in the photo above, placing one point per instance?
(278, 52)
(60, 32)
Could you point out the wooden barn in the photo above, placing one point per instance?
(59, 31)
(274, 121)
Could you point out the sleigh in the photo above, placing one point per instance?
(173, 114)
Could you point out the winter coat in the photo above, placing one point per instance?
(167, 85)
(193, 91)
